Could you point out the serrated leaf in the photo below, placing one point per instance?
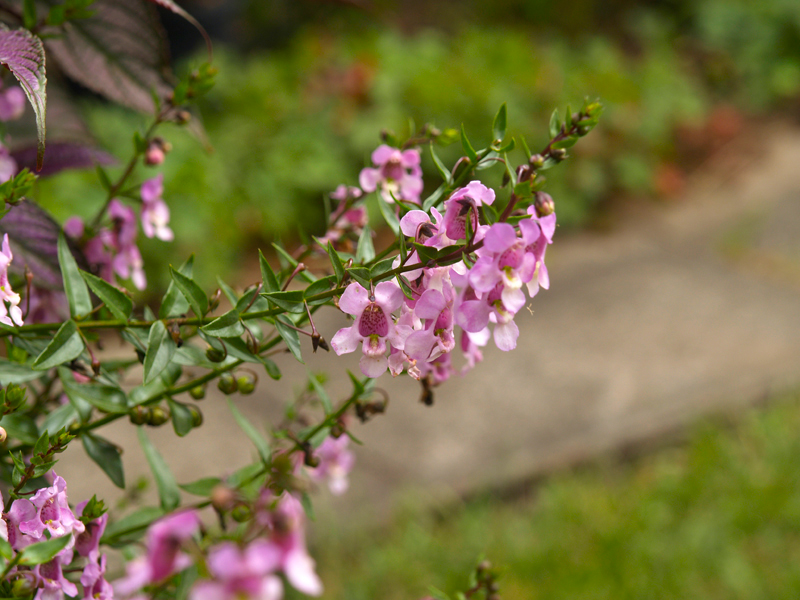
(365, 251)
(182, 419)
(66, 345)
(160, 348)
(193, 293)
(250, 431)
(336, 263)
(268, 275)
(168, 492)
(80, 303)
(170, 5)
(174, 303)
(499, 123)
(42, 552)
(289, 336)
(107, 456)
(23, 54)
(228, 325)
(201, 487)
(469, 151)
(125, 46)
(290, 301)
(115, 300)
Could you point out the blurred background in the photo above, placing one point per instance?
(600, 466)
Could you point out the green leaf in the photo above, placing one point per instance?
(201, 487)
(387, 210)
(80, 303)
(336, 262)
(268, 275)
(42, 552)
(168, 492)
(555, 124)
(12, 372)
(360, 275)
(20, 427)
(290, 301)
(63, 416)
(499, 124)
(320, 286)
(66, 345)
(405, 287)
(291, 260)
(193, 293)
(469, 151)
(228, 325)
(6, 551)
(117, 302)
(321, 393)
(182, 419)
(83, 408)
(431, 200)
(380, 268)
(160, 348)
(137, 521)
(230, 294)
(107, 398)
(365, 251)
(289, 336)
(565, 143)
(107, 456)
(443, 172)
(174, 303)
(250, 431)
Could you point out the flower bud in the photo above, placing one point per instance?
(558, 154)
(156, 151)
(213, 302)
(544, 204)
(215, 355)
(198, 392)
(25, 585)
(241, 513)
(3, 435)
(15, 396)
(197, 416)
(227, 384)
(536, 161)
(182, 117)
(158, 416)
(139, 415)
(246, 384)
(222, 498)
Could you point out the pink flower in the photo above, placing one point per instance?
(13, 314)
(127, 261)
(398, 174)
(286, 547)
(155, 213)
(52, 513)
(164, 556)
(12, 103)
(373, 325)
(465, 201)
(241, 574)
(335, 462)
(538, 234)
(87, 543)
(8, 166)
(22, 510)
(95, 586)
(51, 577)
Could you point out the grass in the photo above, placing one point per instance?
(717, 516)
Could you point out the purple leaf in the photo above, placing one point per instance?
(63, 155)
(23, 54)
(33, 235)
(171, 5)
(119, 52)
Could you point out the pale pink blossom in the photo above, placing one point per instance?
(155, 212)
(465, 201)
(335, 462)
(12, 103)
(397, 174)
(12, 314)
(241, 574)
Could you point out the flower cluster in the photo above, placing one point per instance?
(113, 250)
(47, 515)
(416, 331)
(11, 315)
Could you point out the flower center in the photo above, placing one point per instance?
(373, 321)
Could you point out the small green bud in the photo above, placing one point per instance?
(15, 396)
(558, 154)
(536, 161)
(158, 416)
(215, 355)
(197, 416)
(198, 392)
(227, 384)
(241, 513)
(24, 586)
(139, 415)
(246, 384)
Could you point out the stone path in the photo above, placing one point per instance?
(681, 310)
